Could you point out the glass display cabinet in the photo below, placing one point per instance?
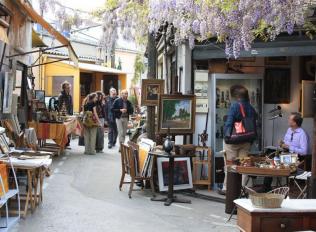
(220, 101)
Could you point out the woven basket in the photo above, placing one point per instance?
(266, 200)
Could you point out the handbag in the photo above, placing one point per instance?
(243, 131)
(89, 119)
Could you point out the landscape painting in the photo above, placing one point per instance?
(176, 113)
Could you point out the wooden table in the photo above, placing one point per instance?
(57, 131)
(273, 172)
(170, 196)
(35, 172)
(255, 171)
(294, 215)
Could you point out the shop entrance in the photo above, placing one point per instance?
(110, 81)
(85, 85)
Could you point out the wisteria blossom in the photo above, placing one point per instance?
(236, 23)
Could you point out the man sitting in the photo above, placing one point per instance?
(295, 141)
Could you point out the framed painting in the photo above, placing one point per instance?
(182, 178)
(307, 68)
(40, 95)
(277, 60)
(278, 86)
(4, 145)
(176, 114)
(151, 89)
(8, 90)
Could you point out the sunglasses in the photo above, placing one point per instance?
(292, 136)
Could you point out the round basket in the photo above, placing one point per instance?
(266, 200)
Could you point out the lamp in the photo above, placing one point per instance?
(274, 114)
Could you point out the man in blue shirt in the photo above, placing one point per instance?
(295, 139)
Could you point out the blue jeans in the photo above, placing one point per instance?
(112, 133)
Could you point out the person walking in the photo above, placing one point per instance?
(90, 132)
(122, 109)
(101, 114)
(110, 118)
(65, 99)
(235, 114)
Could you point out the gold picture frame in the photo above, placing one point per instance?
(176, 114)
(151, 89)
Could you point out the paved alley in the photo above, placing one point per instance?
(82, 195)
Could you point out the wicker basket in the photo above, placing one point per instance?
(266, 200)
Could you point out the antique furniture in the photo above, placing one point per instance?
(202, 167)
(35, 169)
(56, 131)
(294, 215)
(130, 164)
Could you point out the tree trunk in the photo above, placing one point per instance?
(152, 69)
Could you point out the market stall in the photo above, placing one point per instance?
(57, 131)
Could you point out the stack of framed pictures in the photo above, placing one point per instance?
(4, 146)
(201, 90)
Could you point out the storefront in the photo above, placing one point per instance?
(273, 72)
(84, 79)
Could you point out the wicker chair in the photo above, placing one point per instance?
(282, 190)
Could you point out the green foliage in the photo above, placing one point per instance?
(169, 108)
(310, 29)
(133, 100)
(139, 68)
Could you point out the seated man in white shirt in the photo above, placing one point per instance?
(295, 141)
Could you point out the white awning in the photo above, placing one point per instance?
(95, 68)
(99, 68)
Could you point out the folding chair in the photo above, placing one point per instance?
(297, 179)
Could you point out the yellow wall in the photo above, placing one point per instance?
(62, 69)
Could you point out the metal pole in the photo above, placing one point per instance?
(40, 50)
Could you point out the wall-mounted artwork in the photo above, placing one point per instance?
(307, 68)
(277, 86)
(151, 89)
(177, 113)
(40, 95)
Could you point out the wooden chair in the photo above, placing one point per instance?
(129, 167)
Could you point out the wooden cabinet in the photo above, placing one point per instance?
(295, 215)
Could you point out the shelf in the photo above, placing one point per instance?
(11, 222)
(11, 193)
(201, 162)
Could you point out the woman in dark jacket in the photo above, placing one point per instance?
(90, 133)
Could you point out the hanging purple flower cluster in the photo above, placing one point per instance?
(232, 21)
